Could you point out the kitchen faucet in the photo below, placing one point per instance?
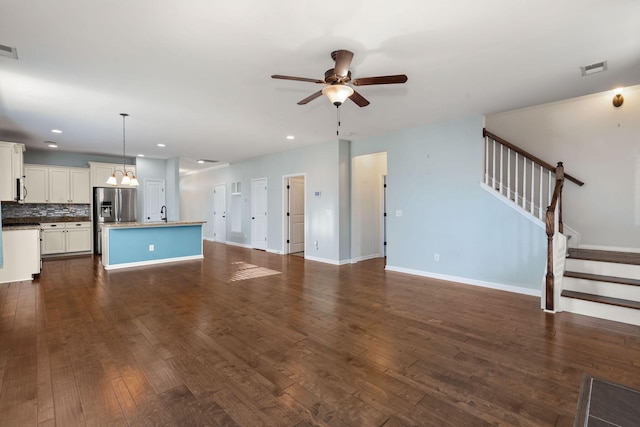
(163, 211)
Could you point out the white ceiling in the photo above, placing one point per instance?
(195, 75)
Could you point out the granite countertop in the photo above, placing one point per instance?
(149, 224)
(12, 222)
(20, 227)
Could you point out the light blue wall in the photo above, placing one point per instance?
(161, 170)
(319, 162)
(434, 175)
(128, 245)
(172, 187)
(62, 158)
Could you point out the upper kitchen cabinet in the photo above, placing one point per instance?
(100, 173)
(11, 171)
(47, 184)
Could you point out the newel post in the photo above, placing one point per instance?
(549, 291)
(560, 177)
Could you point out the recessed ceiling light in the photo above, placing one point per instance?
(291, 137)
(56, 131)
(51, 144)
(140, 155)
(201, 161)
(161, 145)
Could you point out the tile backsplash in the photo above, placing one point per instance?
(51, 212)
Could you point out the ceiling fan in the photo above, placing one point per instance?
(337, 81)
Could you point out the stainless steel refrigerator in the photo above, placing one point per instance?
(111, 205)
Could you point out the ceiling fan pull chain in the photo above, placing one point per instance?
(338, 114)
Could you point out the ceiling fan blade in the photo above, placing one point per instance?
(310, 98)
(380, 80)
(343, 62)
(360, 100)
(300, 79)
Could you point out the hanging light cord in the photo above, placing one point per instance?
(124, 169)
(338, 120)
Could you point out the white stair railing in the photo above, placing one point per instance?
(518, 176)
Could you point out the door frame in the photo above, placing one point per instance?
(286, 249)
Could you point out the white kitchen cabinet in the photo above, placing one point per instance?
(54, 184)
(59, 185)
(100, 173)
(36, 181)
(11, 170)
(21, 254)
(66, 237)
(79, 187)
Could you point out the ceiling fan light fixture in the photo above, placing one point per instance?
(337, 94)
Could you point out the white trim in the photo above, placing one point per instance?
(466, 281)
(609, 248)
(513, 206)
(208, 239)
(326, 260)
(151, 262)
(364, 258)
(242, 245)
(274, 251)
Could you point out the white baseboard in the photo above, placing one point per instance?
(364, 258)
(274, 251)
(242, 245)
(609, 248)
(466, 281)
(326, 260)
(151, 262)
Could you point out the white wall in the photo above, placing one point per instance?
(366, 207)
(598, 144)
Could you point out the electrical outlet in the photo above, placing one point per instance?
(436, 257)
(152, 248)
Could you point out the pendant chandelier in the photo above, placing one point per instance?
(128, 177)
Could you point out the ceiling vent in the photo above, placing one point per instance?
(598, 67)
(9, 52)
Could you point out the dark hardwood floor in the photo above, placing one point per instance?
(250, 338)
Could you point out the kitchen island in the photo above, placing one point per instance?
(134, 244)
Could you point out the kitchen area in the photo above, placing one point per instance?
(54, 205)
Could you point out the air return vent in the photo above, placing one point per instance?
(598, 67)
(8, 51)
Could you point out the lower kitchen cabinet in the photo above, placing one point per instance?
(65, 237)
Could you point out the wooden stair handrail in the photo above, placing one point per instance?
(529, 156)
(550, 223)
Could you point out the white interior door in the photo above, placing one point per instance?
(259, 213)
(296, 214)
(154, 200)
(219, 213)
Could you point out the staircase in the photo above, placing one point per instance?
(602, 284)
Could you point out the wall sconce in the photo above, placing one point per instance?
(618, 99)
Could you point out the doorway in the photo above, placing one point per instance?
(368, 206)
(219, 213)
(259, 213)
(154, 200)
(294, 215)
